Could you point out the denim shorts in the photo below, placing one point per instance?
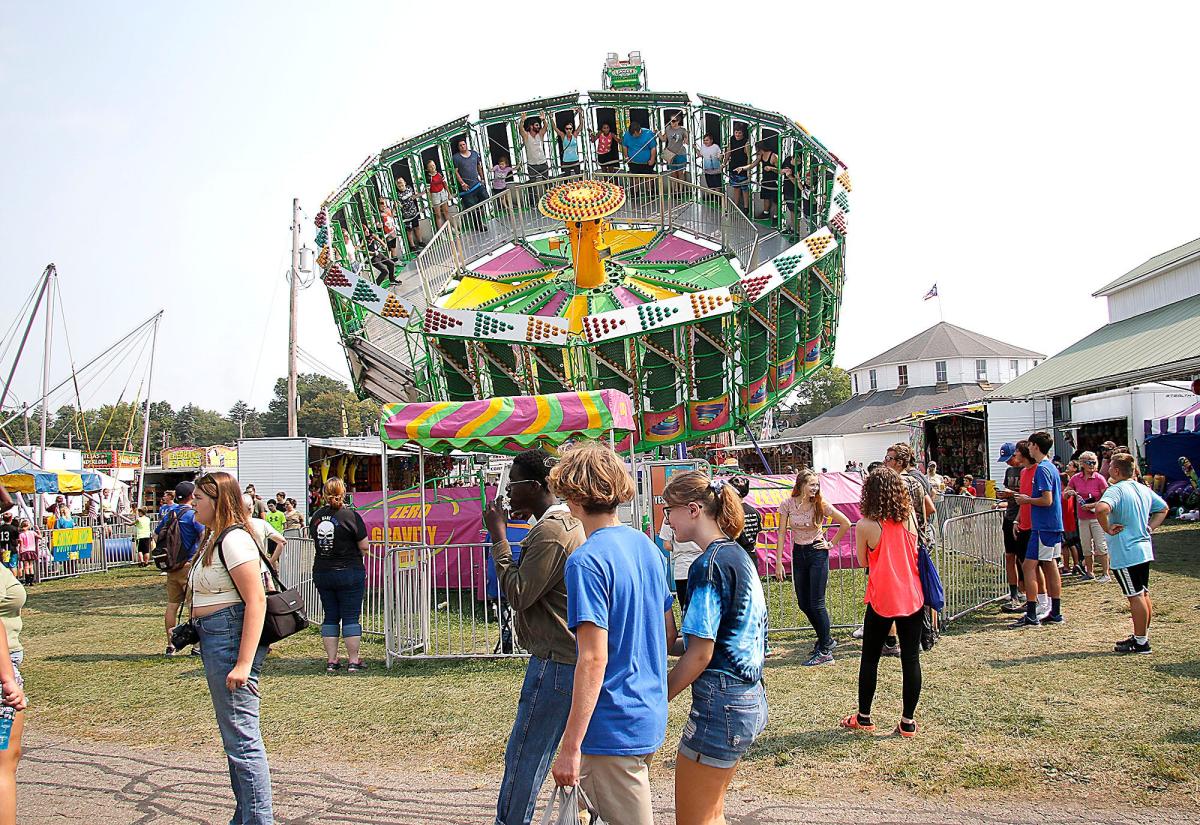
(727, 716)
(16, 657)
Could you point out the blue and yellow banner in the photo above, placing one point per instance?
(71, 544)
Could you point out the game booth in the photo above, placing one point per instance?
(1172, 445)
(441, 594)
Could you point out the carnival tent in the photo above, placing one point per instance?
(1170, 438)
(51, 481)
(507, 424)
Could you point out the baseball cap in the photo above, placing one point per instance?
(184, 489)
(1007, 450)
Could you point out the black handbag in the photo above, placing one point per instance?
(285, 605)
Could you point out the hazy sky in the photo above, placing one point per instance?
(1019, 155)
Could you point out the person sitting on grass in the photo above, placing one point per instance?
(722, 649)
(1129, 512)
(887, 543)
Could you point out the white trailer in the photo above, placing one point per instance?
(1127, 408)
(274, 464)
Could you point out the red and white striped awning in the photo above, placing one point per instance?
(1185, 421)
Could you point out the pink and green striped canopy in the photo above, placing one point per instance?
(507, 425)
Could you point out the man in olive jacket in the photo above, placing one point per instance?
(535, 589)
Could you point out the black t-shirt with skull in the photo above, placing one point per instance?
(336, 534)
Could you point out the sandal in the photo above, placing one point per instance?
(355, 667)
(852, 722)
(907, 734)
(332, 667)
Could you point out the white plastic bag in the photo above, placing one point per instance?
(565, 808)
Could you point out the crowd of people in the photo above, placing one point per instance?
(394, 233)
(596, 607)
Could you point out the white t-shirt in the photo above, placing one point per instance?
(263, 531)
(683, 553)
(210, 583)
(710, 158)
(535, 149)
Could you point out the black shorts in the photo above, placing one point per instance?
(609, 162)
(413, 223)
(1134, 581)
(1071, 539)
(1015, 544)
(143, 545)
(640, 168)
(712, 180)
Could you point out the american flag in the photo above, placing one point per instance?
(932, 293)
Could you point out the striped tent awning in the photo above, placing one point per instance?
(50, 481)
(507, 424)
(1184, 421)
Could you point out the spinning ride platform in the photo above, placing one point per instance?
(650, 285)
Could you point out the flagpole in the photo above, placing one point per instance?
(939, 302)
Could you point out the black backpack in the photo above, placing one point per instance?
(169, 552)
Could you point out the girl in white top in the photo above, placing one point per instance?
(229, 605)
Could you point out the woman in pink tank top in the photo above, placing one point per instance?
(887, 545)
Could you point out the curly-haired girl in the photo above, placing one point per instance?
(887, 543)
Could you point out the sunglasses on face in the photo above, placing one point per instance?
(508, 487)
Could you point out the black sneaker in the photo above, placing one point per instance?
(1131, 645)
(1025, 621)
(891, 650)
(170, 651)
(1052, 619)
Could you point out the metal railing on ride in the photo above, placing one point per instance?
(512, 215)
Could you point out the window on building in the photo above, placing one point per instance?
(856, 383)
(872, 376)
(1014, 366)
(981, 369)
(940, 366)
(903, 375)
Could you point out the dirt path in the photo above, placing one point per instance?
(63, 781)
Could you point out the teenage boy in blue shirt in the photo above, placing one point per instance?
(1129, 512)
(1045, 540)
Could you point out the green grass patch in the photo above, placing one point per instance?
(1002, 712)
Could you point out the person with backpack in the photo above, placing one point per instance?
(177, 536)
(228, 610)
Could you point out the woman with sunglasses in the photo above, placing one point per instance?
(1088, 485)
(722, 649)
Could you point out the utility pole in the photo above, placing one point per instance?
(293, 284)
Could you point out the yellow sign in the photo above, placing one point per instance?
(221, 456)
(183, 458)
(71, 543)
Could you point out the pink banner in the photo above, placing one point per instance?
(842, 490)
(454, 518)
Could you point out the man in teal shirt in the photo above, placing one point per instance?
(1128, 512)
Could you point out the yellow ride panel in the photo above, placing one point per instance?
(617, 241)
(471, 292)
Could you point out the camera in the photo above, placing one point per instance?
(183, 635)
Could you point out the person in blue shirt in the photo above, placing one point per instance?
(1046, 536)
(190, 531)
(641, 149)
(1129, 512)
(619, 607)
(723, 647)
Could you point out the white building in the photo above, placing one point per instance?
(936, 380)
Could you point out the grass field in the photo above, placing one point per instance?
(1044, 713)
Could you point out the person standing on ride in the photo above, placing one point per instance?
(468, 168)
(339, 574)
(537, 166)
(439, 196)
(768, 186)
(675, 141)
(390, 234)
(639, 147)
(711, 161)
(887, 544)
(537, 591)
(619, 606)
(569, 136)
(722, 649)
(607, 153)
(738, 156)
(229, 606)
(410, 212)
(804, 514)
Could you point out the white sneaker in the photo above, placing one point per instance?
(857, 634)
(1104, 579)
(1043, 610)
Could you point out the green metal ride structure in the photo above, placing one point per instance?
(585, 277)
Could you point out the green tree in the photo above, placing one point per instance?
(309, 386)
(246, 419)
(183, 428)
(823, 391)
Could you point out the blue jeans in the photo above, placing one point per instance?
(810, 575)
(341, 594)
(541, 719)
(237, 714)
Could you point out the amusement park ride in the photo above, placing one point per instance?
(654, 285)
